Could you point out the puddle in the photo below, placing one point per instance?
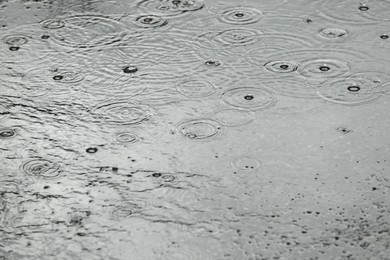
(192, 129)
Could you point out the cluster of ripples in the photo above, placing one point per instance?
(111, 110)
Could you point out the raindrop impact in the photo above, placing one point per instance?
(200, 129)
(41, 168)
(250, 98)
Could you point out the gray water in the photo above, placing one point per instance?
(190, 129)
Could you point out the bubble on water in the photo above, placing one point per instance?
(41, 168)
(323, 68)
(229, 38)
(196, 88)
(246, 164)
(130, 69)
(52, 24)
(281, 66)
(251, 98)
(357, 89)
(64, 76)
(233, 117)
(169, 7)
(200, 129)
(8, 132)
(127, 113)
(88, 31)
(91, 150)
(150, 21)
(240, 15)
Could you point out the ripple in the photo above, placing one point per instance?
(126, 209)
(333, 34)
(88, 31)
(196, 88)
(169, 7)
(16, 40)
(52, 24)
(41, 168)
(353, 12)
(357, 89)
(246, 164)
(150, 21)
(229, 38)
(127, 137)
(240, 15)
(233, 117)
(123, 113)
(281, 66)
(7, 133)
(200, 129)
(44, 76)
(249, 98)
(23, 45)
(326, 64)
(323, 68)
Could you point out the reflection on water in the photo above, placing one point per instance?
(191, 129)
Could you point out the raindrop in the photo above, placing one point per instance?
(123, 113)
(41, 168)
(52, 24)
(125, 137)
(357, 89)
(200, 129)
(249, 98)
(240, 15)
(281, 66)
(323, 68)
(384, 37)
(195, 88)
(169, 7)
(150, 21)
(6, 133)
(130, 69)
(246, 164)
(45, 37)
(91, 150)
(344, 130)
(23, 45)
